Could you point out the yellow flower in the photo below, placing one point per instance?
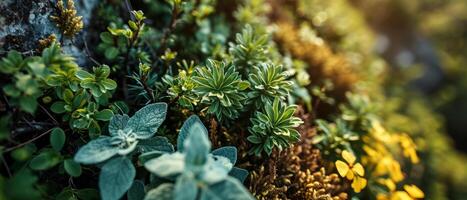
(409, 148)
(387, 165)
(352, 171)
(358, 183)
(414, 191)
(388, 183)
(411, 192)
(379, 133)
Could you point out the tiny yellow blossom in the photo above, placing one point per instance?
(352, 171)
(387, 165)
(379, 133)
(409, 148)
(414, 191)
(411, 192)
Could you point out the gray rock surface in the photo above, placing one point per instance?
(24, 22)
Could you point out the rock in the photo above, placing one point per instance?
(24, 22)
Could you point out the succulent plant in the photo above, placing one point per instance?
(274, 127)
(268, 81)
(221, 89)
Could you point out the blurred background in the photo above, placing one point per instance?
(424, 45)
(426, 40)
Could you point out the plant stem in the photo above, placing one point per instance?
(27, 142)
(170, 28)
(5, 165)
(148, 89)
(48, 113)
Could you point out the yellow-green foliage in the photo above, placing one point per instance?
(296, 79)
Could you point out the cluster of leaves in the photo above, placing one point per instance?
(247, 81)
(181, 88)
(79, 93)
(220, 86)
(118, 41)
(66, 90)
(25, 86)
(249, 49)
(274, 127)
(246, 85)
(197, 172)
(335, 137)
(268, 82)
(114, 151)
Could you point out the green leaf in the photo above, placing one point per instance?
(53, 81)
(50, 54)
(11, 90)
(57, 139)
(81, 74)
(72, 168)
(116, 31)
(139, 15)
(68, 96)
(197, 146)
(118, 122)
(119, 107)
(81, 123)
(185, 188)
(88, 194)
(111, 53)
(104, 115)
(96, 151)
(229, 152)
(215, 170)
(106, 37)
(66, 194)
(28, 104)
(37, 68)
(109, 84)
(116, 178)
(128, 33)
(22, 154)
(132, 25)
(144, 157)
(254, 139)
(80, 99)
(45, 160)
(239, 173)
(12, 63)
(162, 192)
(185, 131)
(230, 189)
(94, 130)
(92, 107)
(22, 186)
(136, 191)
(243, 85)
(147, 120)
(157, 143)
(58, 107)
(166, 165)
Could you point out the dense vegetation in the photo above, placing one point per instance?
(206, 99)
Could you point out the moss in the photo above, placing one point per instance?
(323, 63)
(297, 172)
